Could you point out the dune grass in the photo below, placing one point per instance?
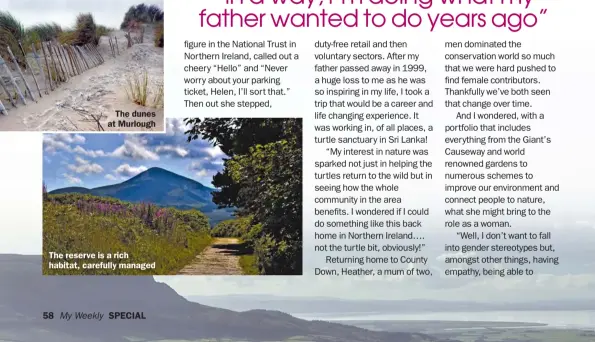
(84, 31)
(138, 90)
(158, 98)
(13, 32)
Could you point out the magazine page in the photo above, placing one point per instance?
(296, 170)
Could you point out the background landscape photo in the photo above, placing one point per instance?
(26, 297)
(190, 201)
(69, 66)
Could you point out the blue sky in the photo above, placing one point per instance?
(92, 160)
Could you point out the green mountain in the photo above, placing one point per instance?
(25, 295)
(163, 188)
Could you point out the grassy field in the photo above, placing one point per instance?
(74, 223)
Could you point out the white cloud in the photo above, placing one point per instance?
(177, 150)
(202, 173)
(52, 144)
(72, 179)
(214, 152)
(61, 142)
(70, 138)
(89, 153)
(128, 171)
(175, 126)
(110, 177)
(84, 166)
(133, 148)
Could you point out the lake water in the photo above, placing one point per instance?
(555, 319)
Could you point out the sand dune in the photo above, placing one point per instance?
(99, 91)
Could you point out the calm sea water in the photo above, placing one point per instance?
(558, 319)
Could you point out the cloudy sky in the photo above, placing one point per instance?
(106, 12)
(92, 160)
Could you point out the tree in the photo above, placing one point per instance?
(263, 178)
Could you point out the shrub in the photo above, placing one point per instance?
(44, 32)
(69, 37)
(196, 220)
(86, 30)
(277, 257)
(248, 264)
(237, 227)
(262, 178)
(142, 13)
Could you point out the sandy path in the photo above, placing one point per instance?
(221, 258)
(99, 91)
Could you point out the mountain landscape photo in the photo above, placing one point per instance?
(138, 204)
(31, 306)
(162, 188)
(25, 295)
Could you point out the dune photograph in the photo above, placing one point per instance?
(86, 67)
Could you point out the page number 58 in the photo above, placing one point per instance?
(48, 315)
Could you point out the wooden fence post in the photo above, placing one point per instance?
(109, 41)
(3, 109)
(58, 78)
(16, 63)
(12, 81)
(78, 48)
(68, 60)
(111, 45)
(77, 58)
(65, 60)
(91, 50)
(117, 48)
(71, 59)
(98, 54)
(30, 68)
(47, 65)
(89, 55)
(7, 92)
(59, 60)
(36, 57)
(129, 39)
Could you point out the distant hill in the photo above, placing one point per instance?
(333, 306)
(163, 188)
(25, 295)
(77, 189)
